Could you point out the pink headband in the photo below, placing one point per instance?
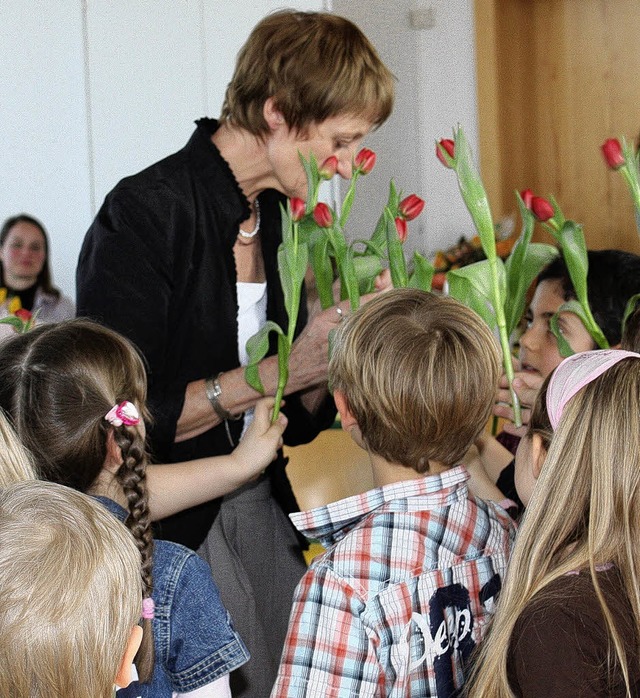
(148, 608)
(124, 413)
(577, 371)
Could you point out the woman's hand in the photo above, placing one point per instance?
(261, 442)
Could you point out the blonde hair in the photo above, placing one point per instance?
(57, 383)
(70, 593)
(314, 65)
(585, 511)
(419, 374)
(15, 460)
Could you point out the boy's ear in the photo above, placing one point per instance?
(272, 114)
(346, 418)
(114, 454)
(123, 678)
(538, 455)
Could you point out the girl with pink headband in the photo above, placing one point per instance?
(568, 617)
(76, 392)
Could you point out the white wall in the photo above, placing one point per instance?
(436, 89)
(94, 91)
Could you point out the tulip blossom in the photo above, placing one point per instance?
(411, 207)
(527, 195)
(364, 161)
(322, 215)
(329, 167)
(298, 209)
(612, 151)
(541, 209)
(23, 314)
(449, 147)
(401, 228)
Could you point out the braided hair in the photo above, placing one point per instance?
(57, 383)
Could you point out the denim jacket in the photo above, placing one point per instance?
(195, 642)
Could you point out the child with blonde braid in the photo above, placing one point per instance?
(75, 391)
(568, 618)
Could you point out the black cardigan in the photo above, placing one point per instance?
(157, 265)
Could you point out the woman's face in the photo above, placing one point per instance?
(338, 135)
(538, 346)
(23, 255)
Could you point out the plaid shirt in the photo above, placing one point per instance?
(404, 592)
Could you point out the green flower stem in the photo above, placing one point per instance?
(285, 343)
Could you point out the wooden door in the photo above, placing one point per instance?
(555, 79)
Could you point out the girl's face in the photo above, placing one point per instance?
(538, 346)
(23, 255)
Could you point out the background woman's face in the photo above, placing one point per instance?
(23, 255)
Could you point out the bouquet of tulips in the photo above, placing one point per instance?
(21, 319)
(619, 156)
(314, 234)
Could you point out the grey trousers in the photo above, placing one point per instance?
(256, 562)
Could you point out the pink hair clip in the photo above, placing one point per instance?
(124, 413)
(148, 608)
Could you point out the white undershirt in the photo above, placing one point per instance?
(252, 315)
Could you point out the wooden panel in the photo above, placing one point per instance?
(565, 75)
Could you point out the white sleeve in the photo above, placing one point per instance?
(217, 689)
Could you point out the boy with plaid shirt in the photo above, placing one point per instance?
(404, 591)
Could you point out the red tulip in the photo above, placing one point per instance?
(411, 207)
(449, 148)
(612, 151)
(541, 208)
(527, 196)
(23, 314)
(298, 208)
(322, 215)
(329, 167)
(401, 228)
(364, 161)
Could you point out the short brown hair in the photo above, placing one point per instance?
(419, 373)
(314, 65)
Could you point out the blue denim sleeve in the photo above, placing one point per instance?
(202, 645)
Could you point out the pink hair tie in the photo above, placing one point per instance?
(577, 371)
(124, 413)
(148, 608)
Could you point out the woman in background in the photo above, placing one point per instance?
(25, 273)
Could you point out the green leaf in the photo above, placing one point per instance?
(574, 251)
(521, 273)
(15, 322)
(572, 306)
(462, 288)
(474, 194)
(292, 267)
(323, 271)
(630, 307)
(397, 263)
(423, 271)
(313, 179)
(347, 203)
(257, 348)
(350, 279)
(367, 266)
